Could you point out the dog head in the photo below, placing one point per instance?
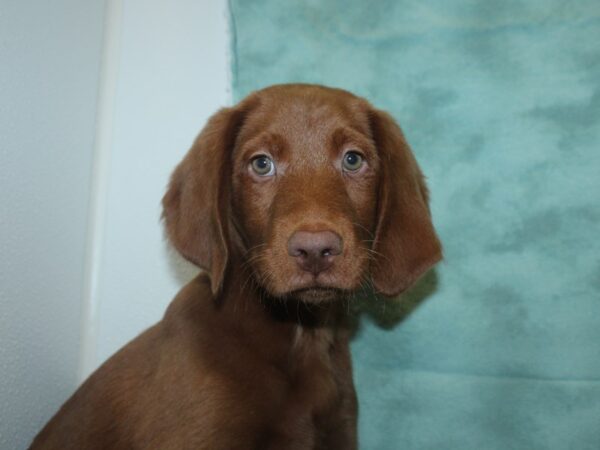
(312, 188)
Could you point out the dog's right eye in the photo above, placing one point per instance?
(263, 166)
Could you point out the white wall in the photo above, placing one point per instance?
(170, 72)
(77, 282)
(49, 66)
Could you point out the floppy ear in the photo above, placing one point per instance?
(195, 207)
(405, 243)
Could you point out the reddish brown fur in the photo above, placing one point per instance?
(254, 355)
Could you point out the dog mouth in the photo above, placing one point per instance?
(317, 294)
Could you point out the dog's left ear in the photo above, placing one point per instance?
(406, 244)
(195, 207)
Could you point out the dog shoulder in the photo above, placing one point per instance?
(120, 398)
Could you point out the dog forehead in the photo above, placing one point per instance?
(292, 115)
(305, 117)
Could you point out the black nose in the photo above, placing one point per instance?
(314, 251)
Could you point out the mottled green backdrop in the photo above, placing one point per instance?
(499, 348)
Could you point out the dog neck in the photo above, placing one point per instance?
(282, 326)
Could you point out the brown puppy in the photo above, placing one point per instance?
(291, 201)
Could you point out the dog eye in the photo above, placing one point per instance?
(352, 161)
(263, 166)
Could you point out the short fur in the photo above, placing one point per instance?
(254, 353)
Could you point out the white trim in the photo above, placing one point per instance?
(100, 174)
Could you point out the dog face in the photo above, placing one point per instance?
(305, 179)
(311, 188)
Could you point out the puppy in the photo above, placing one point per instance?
(290, 201)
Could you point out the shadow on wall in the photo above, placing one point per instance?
(180, 269)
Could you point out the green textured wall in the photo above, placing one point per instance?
(499, 348)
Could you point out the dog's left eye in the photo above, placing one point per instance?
(352, 161)
(263, 165)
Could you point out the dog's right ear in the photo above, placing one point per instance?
(195, 207)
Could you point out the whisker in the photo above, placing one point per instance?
(254, 248)
(369, 232)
